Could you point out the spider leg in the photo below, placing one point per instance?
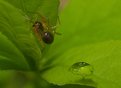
(54, 30)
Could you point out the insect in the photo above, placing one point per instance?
(43, 30)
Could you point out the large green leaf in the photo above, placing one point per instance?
(90, 33)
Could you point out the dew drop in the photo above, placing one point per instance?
(81, 68)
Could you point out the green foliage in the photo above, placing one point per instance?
(10, 55)
(90, 33)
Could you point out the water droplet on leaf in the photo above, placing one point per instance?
(81, 68)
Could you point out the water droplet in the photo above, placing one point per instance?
(81, 68)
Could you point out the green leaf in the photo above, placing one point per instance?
(47, 8)
(104, 57)
(14, 26)
(10, 56)
(90, 33)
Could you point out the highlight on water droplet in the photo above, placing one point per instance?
(81, 68)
